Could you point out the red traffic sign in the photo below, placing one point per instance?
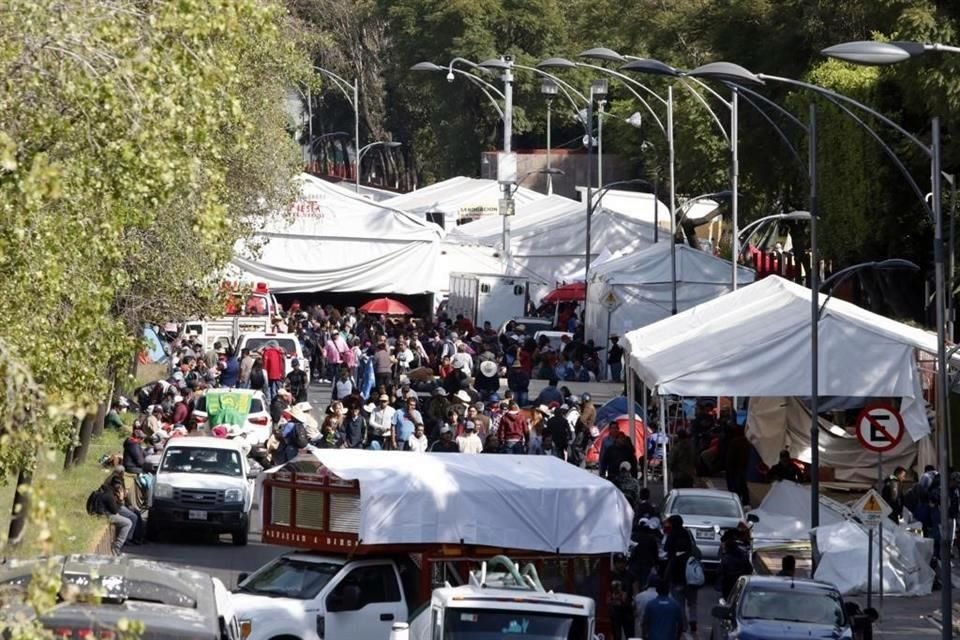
(880, 428)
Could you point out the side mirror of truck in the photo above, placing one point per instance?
(752, 517)
(243, 575)
(722, 613)
(345, 598)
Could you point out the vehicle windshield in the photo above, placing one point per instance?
(487, 624)
(816, 607)
(719, 507)
(287, 344)
(185, 459)
(290, 578)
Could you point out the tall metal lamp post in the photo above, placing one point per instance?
(736, 74)
(549, 90)
(877, 53)
(350, 91)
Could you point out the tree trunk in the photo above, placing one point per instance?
(20, 509)
(68, 452)
(86, 432)
(100, 418)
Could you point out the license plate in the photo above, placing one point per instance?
(704, 534)
(197, 515)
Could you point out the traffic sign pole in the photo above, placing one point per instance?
(880, 530)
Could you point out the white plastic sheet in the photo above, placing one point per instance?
(844, 553)
(537, 503)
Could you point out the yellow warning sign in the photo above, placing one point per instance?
(872, 505)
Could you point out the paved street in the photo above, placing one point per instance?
(900, 617)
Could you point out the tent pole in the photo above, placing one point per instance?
(643, 398)
(666, 440)
(631, 410)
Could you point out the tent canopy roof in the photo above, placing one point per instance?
(652, 266)
(508, 501)
(459, 196)
(331, 239)
(756, 342)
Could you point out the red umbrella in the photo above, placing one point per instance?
(573, 292)
(387, 307)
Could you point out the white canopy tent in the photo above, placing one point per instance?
(548, 237)
(333, 240)
(459, 200)
(642, 281)
(755, 342)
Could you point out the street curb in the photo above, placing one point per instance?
(102, 543)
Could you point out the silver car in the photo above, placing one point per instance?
(707, 513)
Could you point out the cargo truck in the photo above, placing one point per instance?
(383, 540)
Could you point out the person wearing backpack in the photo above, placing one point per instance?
(107, 500)
(683, 571)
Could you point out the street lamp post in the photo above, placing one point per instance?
(685, 209)
(350, 91)
(505, 64)
(549, 89)
(734, 73)
(890, 53)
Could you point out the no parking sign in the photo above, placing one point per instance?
(880, 428)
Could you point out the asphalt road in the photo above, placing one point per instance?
(900, 617)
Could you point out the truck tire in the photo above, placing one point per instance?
(239, 537)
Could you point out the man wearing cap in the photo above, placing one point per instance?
(280, 403)
(512, 430)
(381, 424)
(615, 358)
(446, 443)
(627, 482)
(469, 442)
(550, 393)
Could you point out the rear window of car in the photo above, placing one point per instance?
(255, 406)
(706, 506)
(287, 344)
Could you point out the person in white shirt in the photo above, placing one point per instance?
(463, 359)
(470, 442)
(404, 356)
(418, 442)
(381, 423)
(642, 599)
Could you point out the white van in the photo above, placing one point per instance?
(289, 342)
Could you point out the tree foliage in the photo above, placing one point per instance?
(868, 210)
(137, 143)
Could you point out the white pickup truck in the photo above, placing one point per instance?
(307, 596)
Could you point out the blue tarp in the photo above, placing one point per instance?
(614, 408)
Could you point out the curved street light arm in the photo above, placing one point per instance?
(560, 81)
(770, 103)
(780, 133)
(625, 78)
(341, 83)
(602, 191)
(628, 81)
(486, 88)
(839, 96)
(841, 276)
(752, 227)
(890, 154)
(706, 105)
(469, 63)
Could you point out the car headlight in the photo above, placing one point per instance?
(233, 495)
(163, 491)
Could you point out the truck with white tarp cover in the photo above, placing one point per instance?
(383, 534)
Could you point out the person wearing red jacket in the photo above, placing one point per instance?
(512, 430)
(274, 365)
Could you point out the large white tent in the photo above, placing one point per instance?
(548, 237)
(333, 240)
(459, 199)
(643, 283)
(755, 342)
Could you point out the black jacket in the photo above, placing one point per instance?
(559, 430)
(678, 546)
(133, 458)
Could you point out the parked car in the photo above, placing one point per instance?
(530, 326)
(775, 608)
(256, 427)
(707, 513)
(97, 592)
(202, 484)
